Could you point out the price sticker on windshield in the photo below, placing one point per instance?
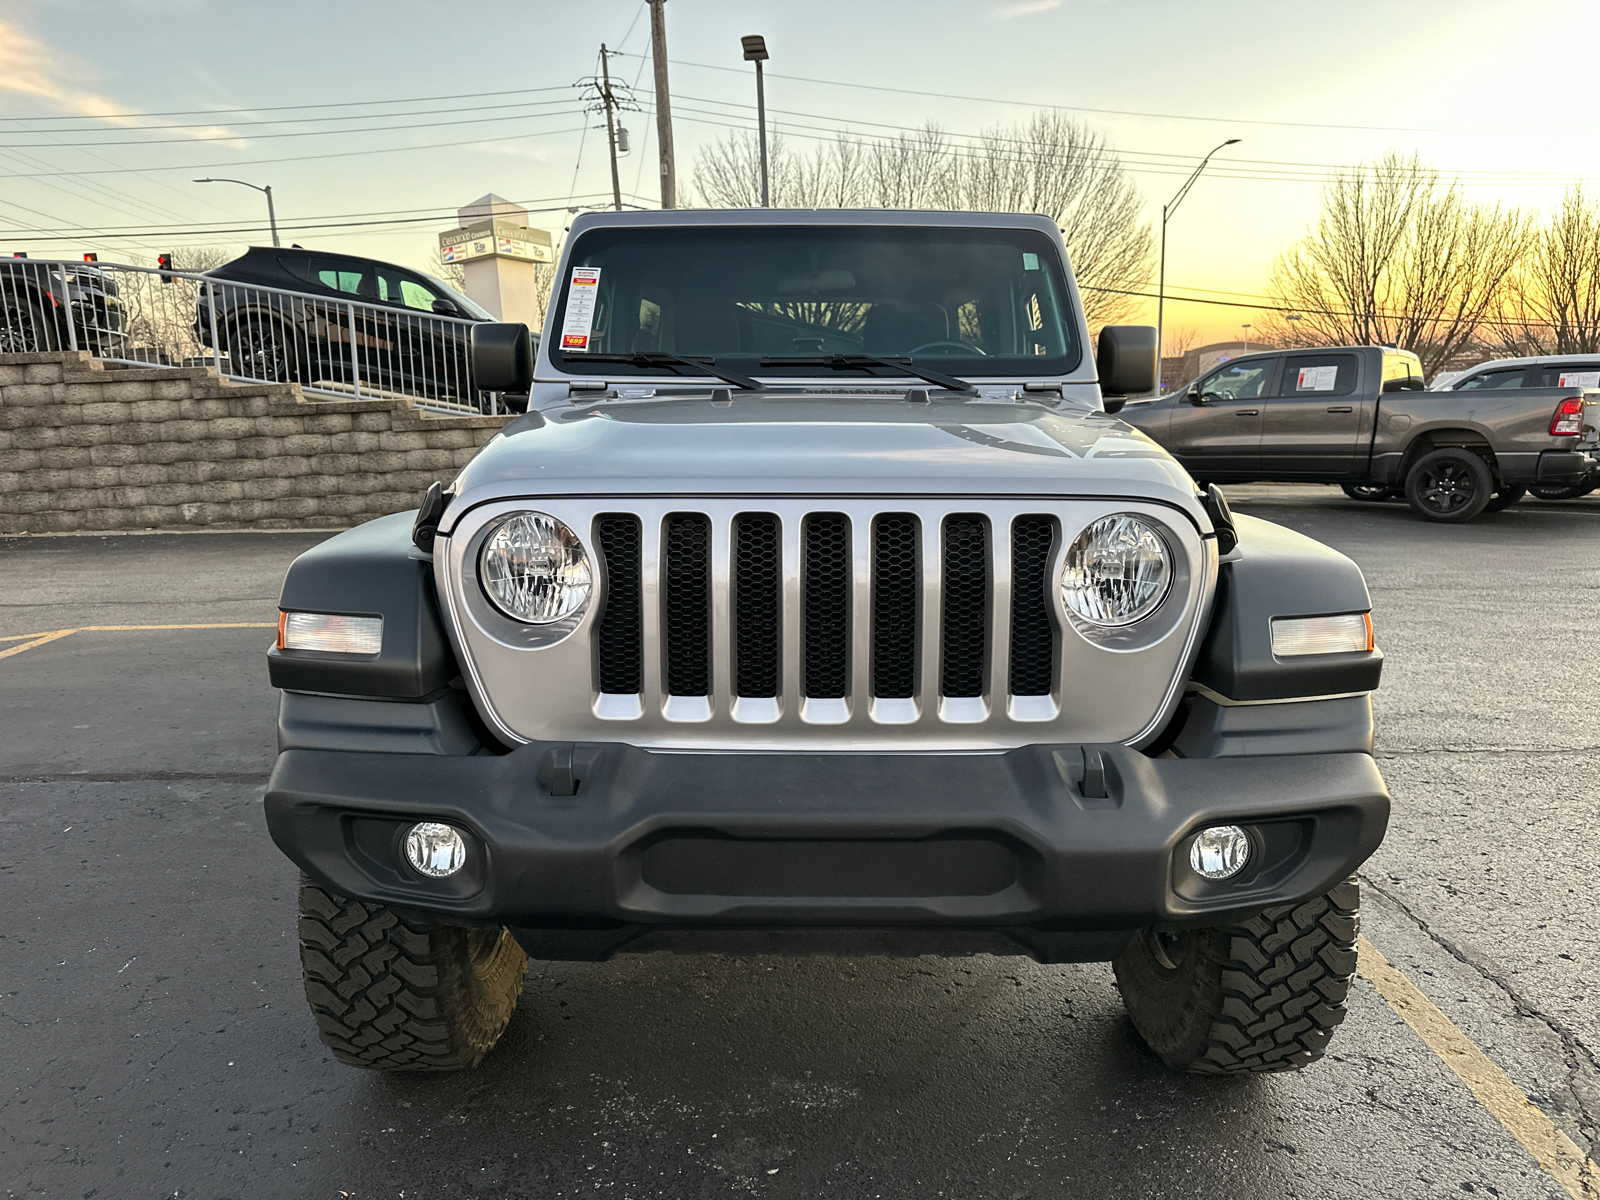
(581, 295)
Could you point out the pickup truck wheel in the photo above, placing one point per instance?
(23, 328)
(391, 995)
(1367, 491)
(1449, 484)
(1505, 498)
(1261, 996)
(1563, 491)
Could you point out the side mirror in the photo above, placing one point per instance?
(502, 356)
(1127, 361)
(446, 308)
(1195, 395)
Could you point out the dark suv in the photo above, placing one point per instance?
(317, 318)
(59, 306)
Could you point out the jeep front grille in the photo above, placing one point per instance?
(963, 630)
(836, 622)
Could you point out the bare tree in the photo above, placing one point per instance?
(1553, 301)
(453, 273)
(1050, 164)
(1396, 256)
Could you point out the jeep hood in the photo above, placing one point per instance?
(807, 445)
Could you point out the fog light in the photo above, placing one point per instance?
(1218, 853)
(436, 850)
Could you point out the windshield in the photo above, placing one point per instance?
(968, 302)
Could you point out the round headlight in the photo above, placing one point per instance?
(1118, 571)
(534, 569)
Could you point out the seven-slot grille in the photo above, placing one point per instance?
(818, 622)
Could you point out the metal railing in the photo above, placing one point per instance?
(331, 346)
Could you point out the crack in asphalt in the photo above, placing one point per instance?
(1532, 751)
(1574, 1053)
(254, 777)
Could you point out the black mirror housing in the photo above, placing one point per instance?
(502, 356)
(1127, 361)
(446, 308)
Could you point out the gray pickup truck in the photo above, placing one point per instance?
(1357, 416)
(817, 605)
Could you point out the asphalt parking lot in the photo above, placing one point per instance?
(156, 1042)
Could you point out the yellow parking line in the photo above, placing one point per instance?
(1554, 1151)
(39, 640)
(30, 640)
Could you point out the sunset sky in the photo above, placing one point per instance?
(1487, 90)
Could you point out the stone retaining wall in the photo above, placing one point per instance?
(87, 448)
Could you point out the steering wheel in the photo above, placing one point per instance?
(961, 346)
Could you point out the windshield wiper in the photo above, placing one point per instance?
(843, 361)
(660, 358)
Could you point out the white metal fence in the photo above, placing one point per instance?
(329, 345)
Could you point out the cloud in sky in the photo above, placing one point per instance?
(1024, 8)
(30, 67)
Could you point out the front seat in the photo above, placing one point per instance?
(899, 327)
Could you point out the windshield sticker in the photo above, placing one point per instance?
(1316, 379)
(1579, 379)
(580, 308)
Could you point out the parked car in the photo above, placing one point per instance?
(818, 605)
(315, 317)
(1543, 371)
(52, 305)
(1358, 416)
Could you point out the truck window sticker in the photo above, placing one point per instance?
(1586, 379)
(1317, 379)
(581, 295)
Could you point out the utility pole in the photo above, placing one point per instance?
(610, 102)
(658, 55)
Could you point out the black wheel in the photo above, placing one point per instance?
(1564, 491)
(1505, 498)
(1368, 491)
(24, 328)
(1449, 484)
(263, 349)
(390, 995)
(1261, 996)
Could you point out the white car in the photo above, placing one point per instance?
(1549, 370)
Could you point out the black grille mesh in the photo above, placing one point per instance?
(966, 596)
(896, 578)
(619, 636)
(686, 603)
(757, 604)
(825, 598)
(1033, 635)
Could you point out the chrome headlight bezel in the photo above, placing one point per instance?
(1154, 620)
(503, 626)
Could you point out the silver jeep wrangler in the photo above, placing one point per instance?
(818, 603)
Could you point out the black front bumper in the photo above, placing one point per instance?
(583, 850)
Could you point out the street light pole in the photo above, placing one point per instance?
(755, 50)
(272, 216)
(1167, 211)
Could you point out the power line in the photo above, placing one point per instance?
(259, 108)
(247, 137)
(1120, 112)
(253, 162)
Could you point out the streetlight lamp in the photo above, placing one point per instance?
(272, 217)
(1246, 328)
(1167, 210)
(755, 50)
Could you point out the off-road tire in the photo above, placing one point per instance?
(391, 995)
(1505, 498)
(1261, 996)
(1449, 484)
(1368, 491)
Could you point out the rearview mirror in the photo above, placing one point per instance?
(1126, 359)
(502, 356)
